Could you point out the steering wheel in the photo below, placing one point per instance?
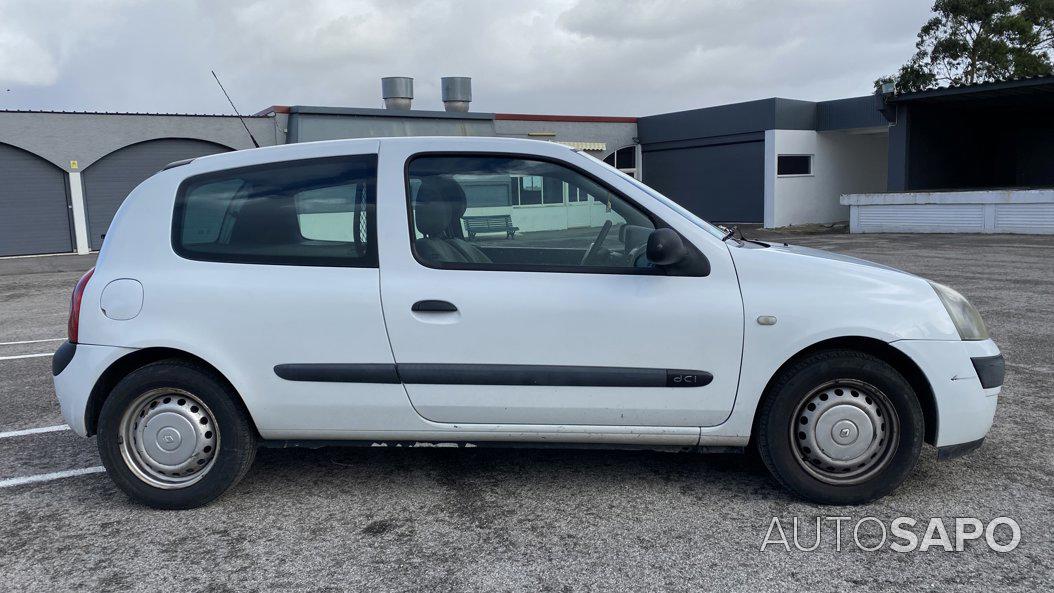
(595, 248)
(634, 254)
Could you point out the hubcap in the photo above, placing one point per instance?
(169, 438)
(844, 432)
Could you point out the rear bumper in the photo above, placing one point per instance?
(78, 368)
(958, 373)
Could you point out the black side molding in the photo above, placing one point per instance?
(953, 451)
(62, 357)
(990, 370)
(538, 375)
(494, 374)
(338, 373)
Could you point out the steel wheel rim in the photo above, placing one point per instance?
(169, 438)
(844, 432)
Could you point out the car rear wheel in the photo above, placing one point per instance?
(840, 427)
(172, 435)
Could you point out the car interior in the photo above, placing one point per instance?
(328, 218)
(439, 207)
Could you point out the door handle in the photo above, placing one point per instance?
(433, 306)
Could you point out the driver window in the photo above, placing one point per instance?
(491, 212)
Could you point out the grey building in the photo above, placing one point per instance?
(599, 136)
(774, 161)
(63, 174)
(977, 158)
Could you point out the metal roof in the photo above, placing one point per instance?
(982, 90)
(565, 118)
(429, 114)
(377, 112)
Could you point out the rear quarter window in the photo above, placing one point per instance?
(316, 212)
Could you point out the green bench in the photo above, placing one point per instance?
(498, 223)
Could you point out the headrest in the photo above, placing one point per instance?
(440, 189)
(453, 193)
(266, 220)
(433, 212)
(432, 218)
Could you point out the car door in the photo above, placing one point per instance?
(556, 325)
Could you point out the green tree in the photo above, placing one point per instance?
(972, 41)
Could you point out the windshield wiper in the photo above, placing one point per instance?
(731, 234)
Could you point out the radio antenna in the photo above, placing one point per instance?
(240, 118)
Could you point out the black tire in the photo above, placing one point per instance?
(236, 441)
(792, 464)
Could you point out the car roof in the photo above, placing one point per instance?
(333, 148)
(323, 147)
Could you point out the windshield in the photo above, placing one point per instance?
(699, 222)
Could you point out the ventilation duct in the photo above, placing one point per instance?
(397, 92)
(457, 93)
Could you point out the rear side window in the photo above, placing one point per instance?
(317, 212)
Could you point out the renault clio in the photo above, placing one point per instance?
(329, 292)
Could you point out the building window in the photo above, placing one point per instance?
(794, 164)
(624, 159)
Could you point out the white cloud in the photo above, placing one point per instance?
(24, 62)
(559, 56)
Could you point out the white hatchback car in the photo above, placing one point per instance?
(470, 290)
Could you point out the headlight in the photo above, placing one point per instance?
(967, 320)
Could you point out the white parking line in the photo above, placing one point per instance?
(10, 482)
(29, 431)
(31, 341)
(27, 356)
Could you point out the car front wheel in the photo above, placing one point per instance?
(840, 427)
(172, 436)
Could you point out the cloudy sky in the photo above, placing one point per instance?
(602, 57)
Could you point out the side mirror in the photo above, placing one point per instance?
(666, 248)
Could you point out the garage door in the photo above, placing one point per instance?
(108, 181)
(34, 210)
(720, 183)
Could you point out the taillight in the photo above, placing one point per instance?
(75, 306)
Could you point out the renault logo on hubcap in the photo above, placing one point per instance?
(168, 438)
(844, 432)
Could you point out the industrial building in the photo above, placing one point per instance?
(976, 158)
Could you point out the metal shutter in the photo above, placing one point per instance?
(108, 181)
(721, 183)
(34, 205)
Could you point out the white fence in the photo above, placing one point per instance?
(1027, 211)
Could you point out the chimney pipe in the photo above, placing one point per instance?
(397, 92)
(457, 93)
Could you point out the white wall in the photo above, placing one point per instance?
(981, 211)
(842, 163)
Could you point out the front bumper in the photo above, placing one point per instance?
(79, 368)
(958, 372)
(952, 451)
